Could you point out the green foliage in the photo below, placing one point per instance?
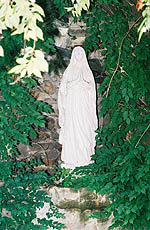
(122, 160)
(21, 197)
(20, 115)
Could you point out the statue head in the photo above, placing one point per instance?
(78, 56)
(78, 68)
(78, 53)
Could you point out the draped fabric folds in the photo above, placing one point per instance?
(77, 111)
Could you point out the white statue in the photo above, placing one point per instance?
(77, 111)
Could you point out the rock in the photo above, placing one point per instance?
(70, 203)
(42, 96)
(78, 42)
(54, 135)
(24, 151)
(96, 54)
(44, 148)
(67, 198)
(76, 29)
(48, 87)
(50, 123)
(77, 220)
(96, 68)
(43, 134)
(65, 53)
(44, 92)
(63, 40)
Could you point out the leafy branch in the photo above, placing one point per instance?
(78, 6)
(145, 25)
(22, 17)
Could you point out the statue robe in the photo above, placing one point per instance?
(77, 113)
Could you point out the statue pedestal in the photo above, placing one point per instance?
(77, 206)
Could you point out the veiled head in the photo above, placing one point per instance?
(78, 67)
(78, 53)
(78, 56)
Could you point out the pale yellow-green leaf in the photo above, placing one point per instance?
(69, 8)
(144, 13)
(40, 60)
(78, 10)
(39, 33)
(141, 6)
(29, 68)
(88, 3)
(2, 26)
(32, 23)
(1, 51)
(8, 22)
(84, 7)
(3, 10)
(140, 35)
(74, 13)
(23, 73)
(36, 72)
(31, 34)
(23, 16)
(21, 60)
(21, 4)
(141, 25)
(38, 17)
(37, 8)
(43, 65)
(79, 6)
(19, 30)
(33, 1)
(17, 69)
(26, 13)
(34, 31)
(1, 3)
(8, 11)
(15, 20)
(27, 51)
(39, 53)
(26, 33)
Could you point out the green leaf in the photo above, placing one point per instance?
(125, 115)
(127, 98)
(103, 52)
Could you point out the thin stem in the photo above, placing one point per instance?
(34, 45)
(24, 45)
(118, 62)
(142, 135)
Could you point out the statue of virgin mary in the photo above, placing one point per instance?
(77, 112)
